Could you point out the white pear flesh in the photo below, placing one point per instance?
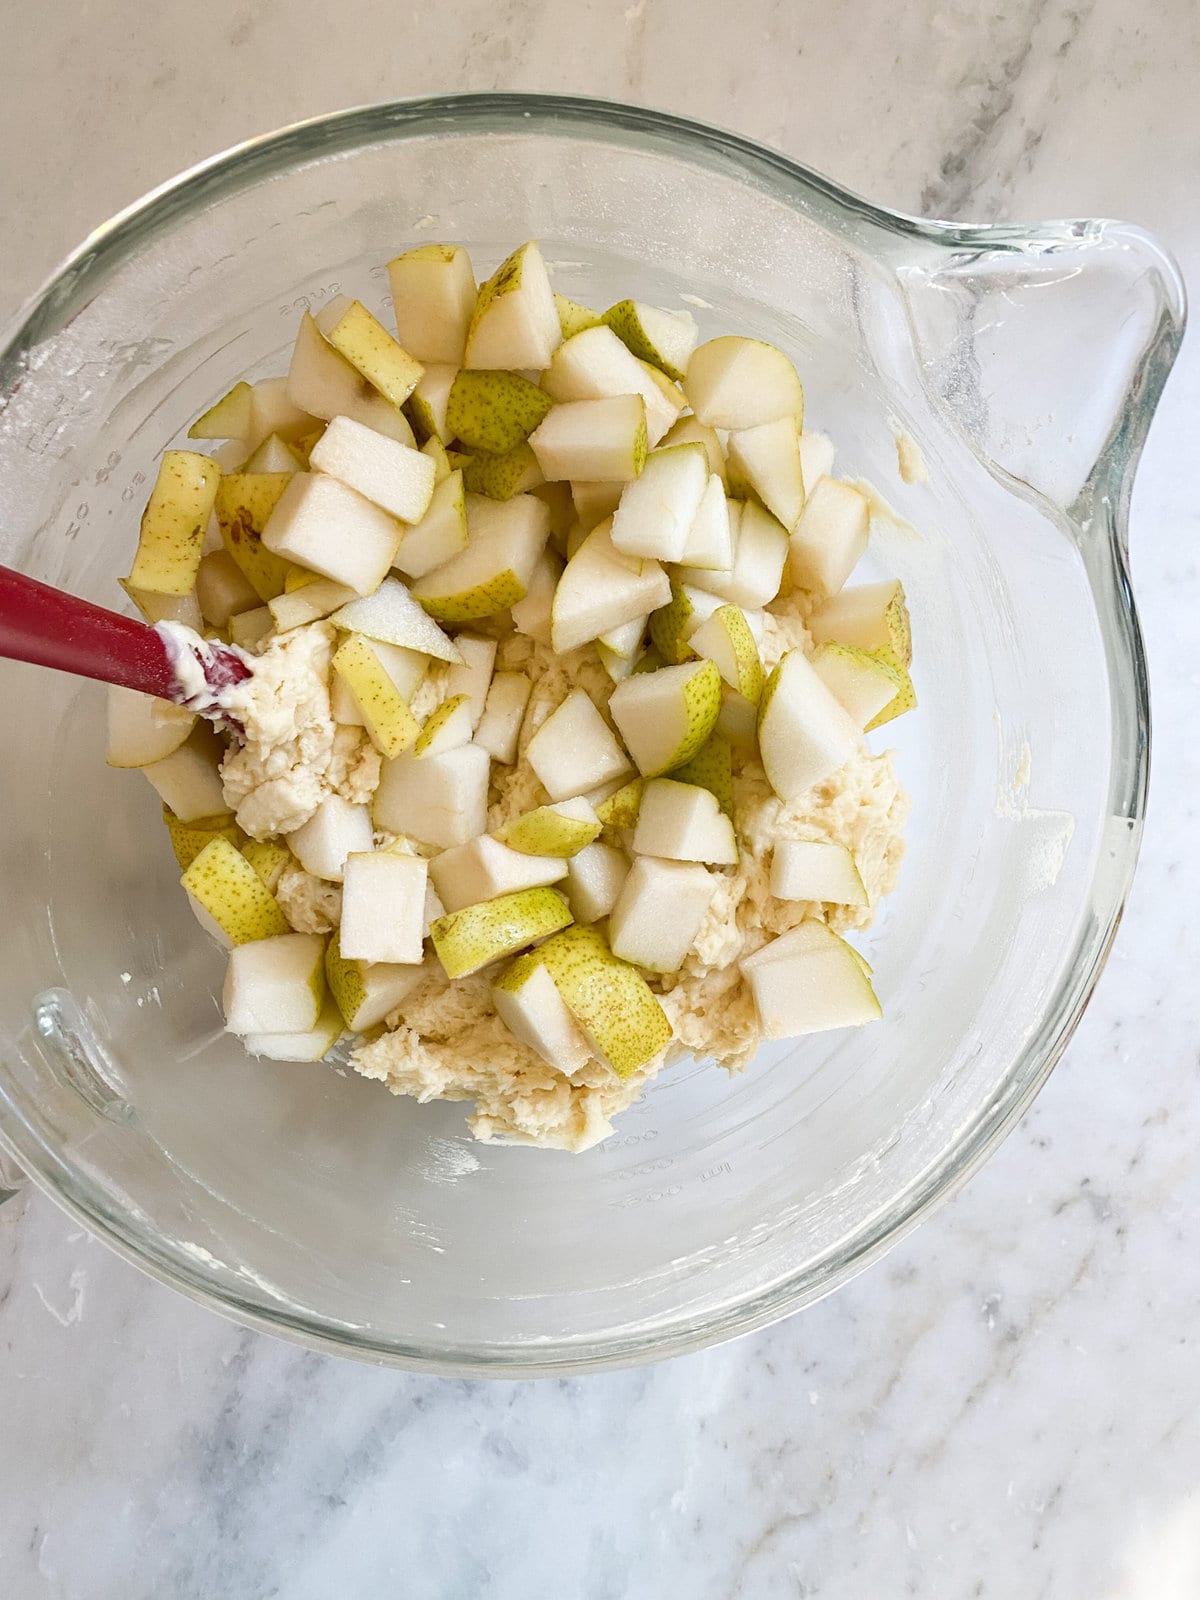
(506, 539)
(657, 510)
(312, 1045)
(483, 868)
(503, 711)
(223, 589)
(275, 985)
(189, 779)
(392, 616)
(574, 750)
(383, 907)
(440, 800)
(319, 380)
(735, 382)
(709, 541)
(392, 476)
(683, 822)
(871, 616)
(473, 676)
(336, 829)
(727, 639)
(858, 680)
(818, 870)
(600, 441)
(767, 458)
(447, 728)
(366, 992)
(810, 981)
(531, 1008)
(830, 538)
(250, 630)
(310, 603)
(594, 502)
(760, 555)
(143, 729)
(322, 524)
(658, 913)
(817, 454)
(532, 616)
(433, 296)
(595, 364)
(602, 589)
(665, 716)
(803, 733)
(441, 533)
(515, 321)
(594, 879)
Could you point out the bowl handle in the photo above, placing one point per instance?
(1048, 350)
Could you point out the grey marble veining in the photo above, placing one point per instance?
(1005, 1407)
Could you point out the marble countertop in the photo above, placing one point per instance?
(1005, 1407)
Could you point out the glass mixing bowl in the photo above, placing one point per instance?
(1025, 362)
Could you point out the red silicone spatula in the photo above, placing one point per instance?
(48, 628)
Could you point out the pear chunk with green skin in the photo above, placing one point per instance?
(619, 1013)
(383, 907)
(690, 430)
(600, 441)
(336, 829)
(494, 571)
(275, 984)
(602, 589)
(595, 363)
(446, 728)
(683, 822)
(500, 477)
(243, 504)
(171, 541)
(803, 733)
(436, 451)
(864, 684)
(711, 768)
(473, 678)
(484, 868)
(393, 476)
(433, 297)
(626, 640)
(739, 383)
(479, 934)
(319, 380)
(556, 830)
(321, 523)
(760, 554)
(226, 885)
(657, 509)
(365, 992)
(503, 712)
(370, 349)
(165, 607)
(189, 779)
(574, 318)
(659, 911)
(620, 809)
(574, 749)
(392, 616)
(905, 700)
(440, 535)
(309, 603)
(494, 411)
(871, 616)
(439, 799)
(767, 459)
(515, 322)
(426, 405)
(665, 339)
(594, 879)
(273, 411)
(528, 1003)
(817, 870)
(268, 858)
(386, 716)
(274, 455)
(312, 1045)
(672, 625)
(189, 838)
(809, 981)
(142, 729)
(709, 541)
(594, 502)
(830, 538)
(726, 639)
(664, 717)
(230, 418)
(532, 615)
(223, 589)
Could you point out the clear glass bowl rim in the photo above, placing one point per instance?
(102, 253)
